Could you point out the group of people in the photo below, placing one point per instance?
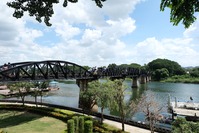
(6, 66)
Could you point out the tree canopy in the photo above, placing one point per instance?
(181, 10)
(173, 67)
(162, 68)
(40, 8)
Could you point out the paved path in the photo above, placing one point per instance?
(128, 128)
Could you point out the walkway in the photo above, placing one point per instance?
(128, 128)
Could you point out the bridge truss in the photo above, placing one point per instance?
(55, 69)
(42, 70)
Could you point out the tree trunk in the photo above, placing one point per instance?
(41, 98)
(122, 124)
(102, 116)
(36, 100)
(22, 98)
(151, 124)
(122, 116)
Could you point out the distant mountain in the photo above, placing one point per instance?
(190, 67)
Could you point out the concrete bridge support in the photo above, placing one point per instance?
(149, 78)
(82, 83)
(143, 79)
(134, 82)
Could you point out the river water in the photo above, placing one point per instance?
(68, 94)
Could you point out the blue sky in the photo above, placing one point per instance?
(122, 32)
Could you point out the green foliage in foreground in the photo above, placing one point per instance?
(81, 124)
(180, 125)
(88, 127)
(182, 79)
(184, 11)
(25, 122)
(32, 114)
(71, 126)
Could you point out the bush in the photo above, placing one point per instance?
(76, 120)
(71, 126)
(88, 127)
(81, 124)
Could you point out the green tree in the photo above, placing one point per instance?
(101, 93)
(173, 67)
(105, 96)
(134, 65)
(88, 97)
(160, 74)
(22, 88)
(42, 86)
(181, 10)
(194, 72)
(39, 90)
(87, 67)
(124, 108)
(112, 66)
(180, 125)
(40, 8)
(35, 93)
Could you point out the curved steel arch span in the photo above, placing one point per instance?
(51, 69)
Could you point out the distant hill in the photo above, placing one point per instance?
(190, 67)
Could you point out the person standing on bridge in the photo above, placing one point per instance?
(5, 67)
(191, 99)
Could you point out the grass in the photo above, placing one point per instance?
(25, 122)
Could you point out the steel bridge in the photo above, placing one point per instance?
(56, 69)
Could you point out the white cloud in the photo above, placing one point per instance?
(178, 50)
(65, 30)
(90, 36)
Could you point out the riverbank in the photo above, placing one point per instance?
(5, 92)
(182, 79)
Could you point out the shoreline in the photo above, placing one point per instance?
(4, 91)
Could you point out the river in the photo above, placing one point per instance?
(68, 94)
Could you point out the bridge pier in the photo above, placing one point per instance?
(148, 78)
(143, 79)
(134, 82)
(82, 83)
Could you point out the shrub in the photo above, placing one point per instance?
(88, 126)
(76, 120)
(71, 126)
(81, 124)
(88, 118)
